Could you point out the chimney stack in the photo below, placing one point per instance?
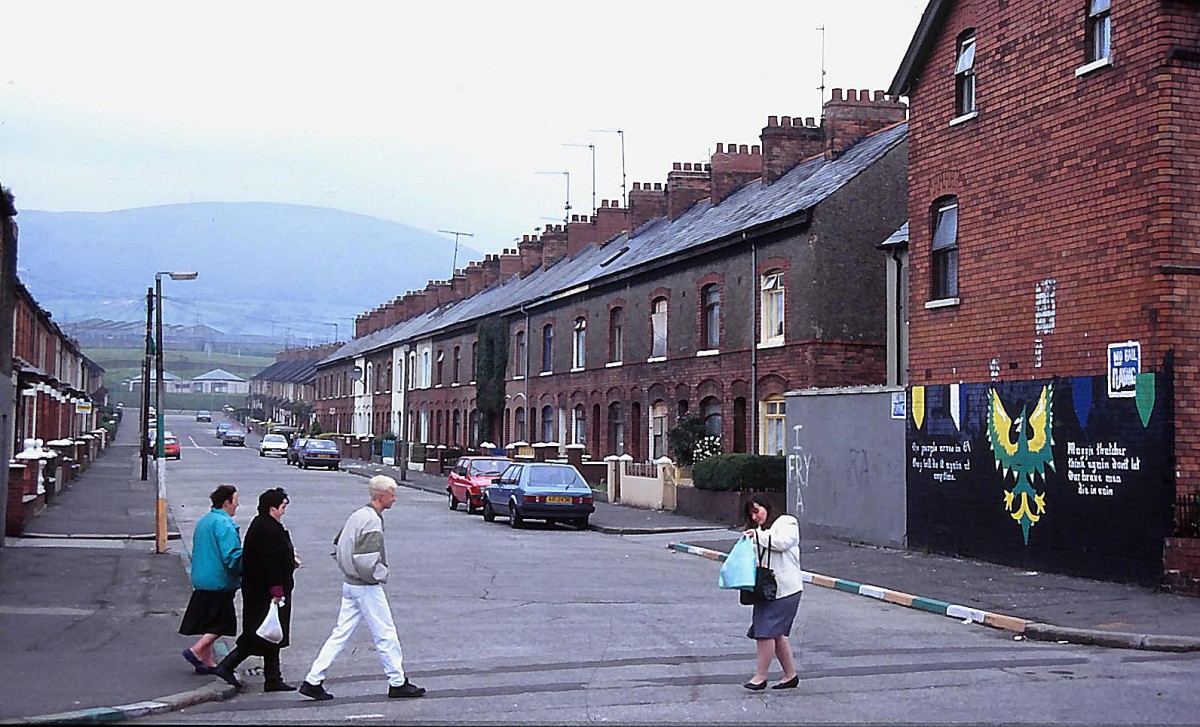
(687, 184)
(733, 168)
(530, 248)
(850, 118)
(646, 204)
(554, 244)
(785, 142)
(510, 264)
(611, 220)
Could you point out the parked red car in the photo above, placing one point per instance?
(170, 447)
(469, 476)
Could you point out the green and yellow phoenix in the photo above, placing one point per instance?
(1021, 447)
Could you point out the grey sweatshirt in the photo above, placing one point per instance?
(359, 548)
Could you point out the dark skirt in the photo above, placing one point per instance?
(774, 618)
(209, 612)
(254, 610)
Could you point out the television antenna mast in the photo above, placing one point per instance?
(456, 233)
(821, 88)
(567, 207)
(593, 148)
(621, 133)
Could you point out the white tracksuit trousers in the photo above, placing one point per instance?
(358, 603)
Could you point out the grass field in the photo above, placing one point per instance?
(121, 364)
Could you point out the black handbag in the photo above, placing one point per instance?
(765, 588)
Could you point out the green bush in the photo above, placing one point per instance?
(683, 436)
(739, 472)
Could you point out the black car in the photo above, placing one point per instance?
(234, 436)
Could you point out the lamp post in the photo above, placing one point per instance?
(160, 509)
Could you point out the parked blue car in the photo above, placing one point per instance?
(319, 453)
(539, 491)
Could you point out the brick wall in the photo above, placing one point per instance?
(1070, 183)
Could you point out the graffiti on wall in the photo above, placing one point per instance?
(798, 467)
(1048, 473)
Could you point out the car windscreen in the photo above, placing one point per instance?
(489, 466)
(322, 444)
(553, 476)
(274, 438)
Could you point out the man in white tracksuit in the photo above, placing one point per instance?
(362, 558)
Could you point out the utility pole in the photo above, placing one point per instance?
(593, 148)
(621, 133)
(456, 233)
(145, 413)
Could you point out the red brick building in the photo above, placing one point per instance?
(1054, 209)
(741, 277)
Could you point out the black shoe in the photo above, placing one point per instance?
(315, 691)
(407, 689)
(789, 684)
(277, 685)
(755, 687)
(226, 674)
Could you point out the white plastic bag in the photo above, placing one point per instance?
(271, 630)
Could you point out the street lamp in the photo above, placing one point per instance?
(160, 510)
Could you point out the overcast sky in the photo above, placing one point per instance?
(440, 116)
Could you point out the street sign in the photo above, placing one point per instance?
(83, 407)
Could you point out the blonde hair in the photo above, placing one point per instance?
(380, 484)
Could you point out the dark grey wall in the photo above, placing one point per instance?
(846, 463)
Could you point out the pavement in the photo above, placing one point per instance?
(90, 614)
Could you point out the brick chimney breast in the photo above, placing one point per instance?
(611, 220)
(686, 186)
(530, 249)
(850, 118)
(733, 168)
(786, 142)
(554, 243)
(646, 203)
(510, 264)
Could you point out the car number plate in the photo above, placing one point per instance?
(559, 499)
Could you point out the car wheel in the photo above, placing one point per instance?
(580, 522)
(303, 465)
(260, 453)
(471, 509)
(454, 500)
(515, 520)
(489, 515)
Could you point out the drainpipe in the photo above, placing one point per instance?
(752, 414)
(403, 440)
(899, 319)
(528, 347)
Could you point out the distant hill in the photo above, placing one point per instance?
(281, 270)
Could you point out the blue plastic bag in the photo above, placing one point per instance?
(740, 566)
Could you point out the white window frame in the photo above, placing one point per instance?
(773, 421)
(1099, 31)
(658, 328)
(710, 315)
(965, 86)
(773, 307)
(945, 243)
(579, 344)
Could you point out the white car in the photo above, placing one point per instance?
(273, 444)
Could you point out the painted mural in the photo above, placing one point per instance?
(1053, 474)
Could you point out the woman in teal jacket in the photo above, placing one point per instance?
(216, 575)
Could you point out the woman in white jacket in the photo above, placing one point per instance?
(777, 537)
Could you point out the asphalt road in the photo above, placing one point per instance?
(550, 625)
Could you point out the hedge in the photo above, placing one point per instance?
(739, 472)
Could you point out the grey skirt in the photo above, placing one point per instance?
(774, 618)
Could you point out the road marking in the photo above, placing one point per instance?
(198, 446)
(45, 611)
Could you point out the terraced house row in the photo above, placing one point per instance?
(1016, 253)
(743, 276)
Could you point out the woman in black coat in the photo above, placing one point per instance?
(268, 562)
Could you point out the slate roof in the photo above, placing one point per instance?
(218, 375)
(755, 204)
(298, 371)
(898, 237)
